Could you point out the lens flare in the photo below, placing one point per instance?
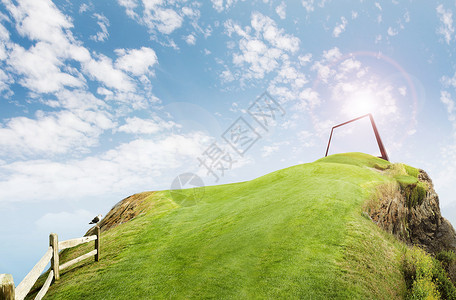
(361, 102)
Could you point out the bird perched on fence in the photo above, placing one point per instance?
(96, 219)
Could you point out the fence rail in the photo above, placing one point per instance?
(9, 292)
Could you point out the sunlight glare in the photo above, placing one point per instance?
(361, 102)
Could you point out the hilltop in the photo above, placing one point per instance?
(317, 230)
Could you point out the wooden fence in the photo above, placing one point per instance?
(9, 292)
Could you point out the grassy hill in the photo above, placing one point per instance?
(295, 233)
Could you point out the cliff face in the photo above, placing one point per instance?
(421, 224)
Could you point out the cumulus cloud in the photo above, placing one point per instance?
(136, 61)
(52, 133)
(266, 27)
(165, 20)
(103, 70)
(57, 70)
(40, 20)
(262, 49)
(227, 76)
(190, 39)
(46, 67)
(40, 69)
(332, 54)
(340, 27)
(446, 28)
(281, 10)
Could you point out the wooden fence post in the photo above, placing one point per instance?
(54, 243)
(7, 291)
(97, 242)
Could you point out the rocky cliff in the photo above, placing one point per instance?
(420, 224)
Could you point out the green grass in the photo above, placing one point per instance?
(295, 233)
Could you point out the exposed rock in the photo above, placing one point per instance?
(122, 212)
(421, 225)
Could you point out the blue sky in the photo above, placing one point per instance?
(103, 99)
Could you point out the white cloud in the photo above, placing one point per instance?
(378, 38)
(305, 59)
(392, 31)
(40, 20)
(45, 67)
(103, 71)
(449, 81)
(445, 98)
(354, 15)
(221, 5)
(261, 49)
(52, 133)
(165, 20)
(103, 22)
(281, 10)
(155, 15)
(407, 17)
(307, 98)
(266, 27)
(40, 68)
(154, 125)
(323, 67)
(130, 6)
(324, 72)
(227, 76)
(377, 5)
(340, 28)
(136, 61)
(349, 65)
(133, 166)
(77, 100)
(308, 5)
(289, 83)
(268, 150)
(190, 39)
(188, 11)
(446, 28)
(5, 81)
(258, 56)
(447, 171)
(332, 54)
(84, 7)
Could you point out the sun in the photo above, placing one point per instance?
(361, 102)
